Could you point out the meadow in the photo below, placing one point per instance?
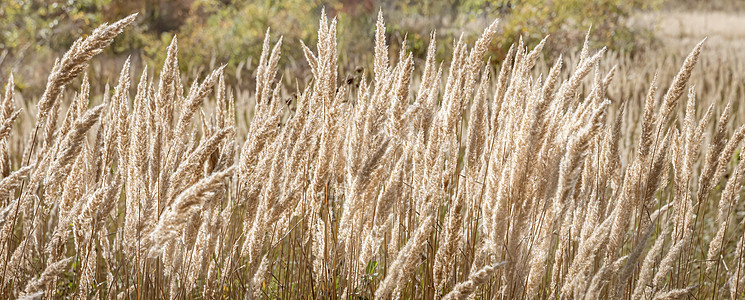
(592, 174)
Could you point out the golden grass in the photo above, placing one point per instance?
(536, 180)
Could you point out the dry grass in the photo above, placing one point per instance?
(536, 180)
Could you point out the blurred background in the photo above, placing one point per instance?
(214, 32)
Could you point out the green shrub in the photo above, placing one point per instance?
(569, 20)
(213, 32)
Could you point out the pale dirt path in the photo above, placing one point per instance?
(723, 29)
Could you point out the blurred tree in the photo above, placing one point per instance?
(568, 21)
(231, 31)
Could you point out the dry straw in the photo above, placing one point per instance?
(445, 182)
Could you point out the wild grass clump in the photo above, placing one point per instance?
(456, 181)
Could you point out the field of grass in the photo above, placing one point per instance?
(589, 175)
